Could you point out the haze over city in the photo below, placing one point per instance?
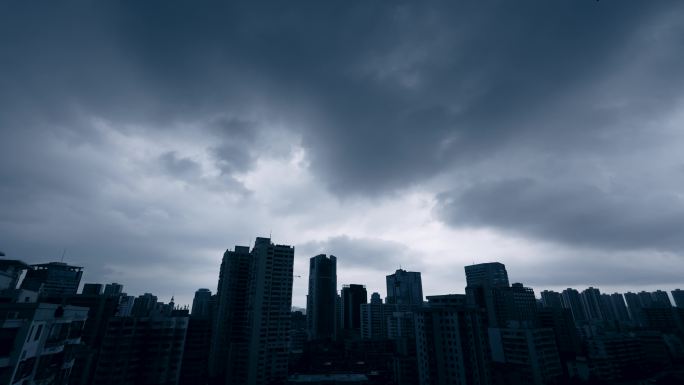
(141, 142)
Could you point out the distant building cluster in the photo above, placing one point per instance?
(247, 332)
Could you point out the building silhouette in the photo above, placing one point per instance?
(524, 304)
(113, 289)
(551, 299)
(10, 273)
(322, 301)
(488, 288)
(252, 320)
(144, 305)
(404, 288)
(200, 303)
(37, 341)
(530, 353)
(353, 296)
(636, 313)
(617, 302)
(92, 289)
(491, 274)
(678, 296)
(142, 350)
(661, 299)
(230, 340)
(591, 301)
(53, 279)
(373, 324)
(573, 301)
(451, 343)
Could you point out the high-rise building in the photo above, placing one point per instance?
(567, 338)
(321, 301)
(488, 288)
(373, 325)
(37, 341)
(551, 299)
(92, 289)
(591, 301)
(142, 350)
(353, 296)
(270, 305)
(101, 310)
(607, 309)
(614, 355)
(144, 305)
(298, 335)
(451, 343)
(252, 321)
(126, 303)
(678, 296)
(646, 299)
(661, 299)
(53, 279)
(113, 289)
(531, 353)
(200, 304)
(573, 301)
(404, 288)
(524, 303)
(10, 272)
(230, 340)
(491, 274)
(636, 313)
(195, 365)
(619, 307)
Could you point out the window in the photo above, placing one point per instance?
(28, 337)
(40, 329)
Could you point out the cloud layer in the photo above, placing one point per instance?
(145, 138)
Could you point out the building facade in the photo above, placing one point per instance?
(321, 301)
(404, 288)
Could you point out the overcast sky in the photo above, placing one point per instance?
(145, 138)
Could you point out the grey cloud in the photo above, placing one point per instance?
(368, 253)
(180, 167)
(576, 214)
(428, 87)
(382, 95)
(236, 153)
(603, 270)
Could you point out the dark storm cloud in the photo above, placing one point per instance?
(236, 153)
(382, 95)
(576, 214)
(179, 166)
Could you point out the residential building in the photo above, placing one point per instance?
(53, 279)
(200, 304)
(678, 296)
(252, 320)
(404, 288)
(321, 301)
(353, 296)
(451, 344)
(37, 342)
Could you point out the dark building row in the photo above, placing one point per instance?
(247, 332)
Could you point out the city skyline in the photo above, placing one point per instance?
(141, 139)
(376, 285)
(249, 332)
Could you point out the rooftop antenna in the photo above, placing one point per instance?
(63, 252)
